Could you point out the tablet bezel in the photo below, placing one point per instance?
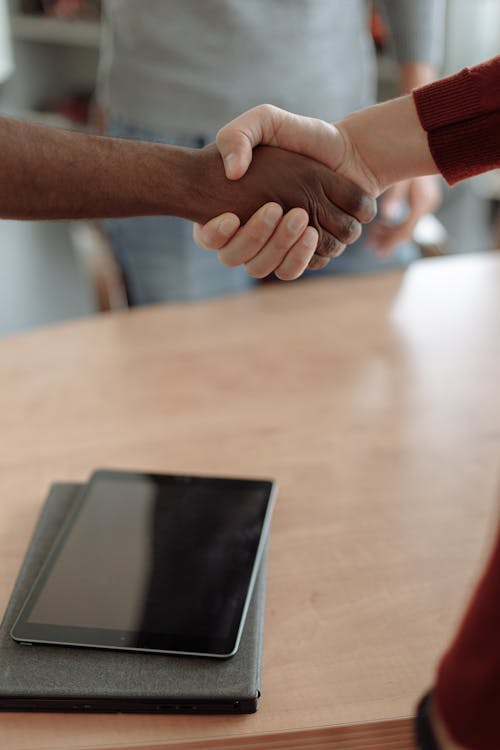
(24, 631)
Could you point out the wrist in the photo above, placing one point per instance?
(198, 184)
(173, 186)
(389, 143)
(353, 164)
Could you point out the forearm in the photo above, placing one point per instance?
(450, 126)
(389, 141)
(56, 174)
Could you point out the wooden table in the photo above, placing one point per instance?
(373, 401)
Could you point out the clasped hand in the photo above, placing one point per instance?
(336, 185)
(318, 211)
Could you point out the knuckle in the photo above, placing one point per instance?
(268, 111)
(257, 233)
(341, 222)
(228, 259)
(265, 109)
(362, 206)
(255, 270)
(317, 262)
(291, 233)
(292, 268)
(339, 250)
(349, 229)
(212, 239)
(284, 274)
(329, 246)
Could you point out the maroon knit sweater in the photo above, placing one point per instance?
(461, 115)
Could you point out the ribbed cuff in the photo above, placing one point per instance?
(465, 149)
(462, 96)
(448, 100)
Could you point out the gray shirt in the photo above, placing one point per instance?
(192, 65)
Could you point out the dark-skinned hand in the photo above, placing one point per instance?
(335, 206)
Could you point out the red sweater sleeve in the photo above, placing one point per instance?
(468, 680)
(461, 115)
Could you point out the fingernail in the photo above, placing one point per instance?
(272, 214)
(295, 223)
(227, 226)
(230, 164)
(309, 238)
(314, 263)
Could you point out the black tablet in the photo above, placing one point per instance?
(152, 562)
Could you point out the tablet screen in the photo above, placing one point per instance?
(152, 562)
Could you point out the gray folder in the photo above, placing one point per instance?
(61, 678)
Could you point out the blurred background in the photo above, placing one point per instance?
(49, 51)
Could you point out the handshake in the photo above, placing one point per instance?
(297, 211)
(288, 192)
(319, 185)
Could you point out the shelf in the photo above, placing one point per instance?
(52, 119)
(45, 118)
(55, 31)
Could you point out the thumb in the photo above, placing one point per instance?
(235, 147)
(272, 126)
(237, 139)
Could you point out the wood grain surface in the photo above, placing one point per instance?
(374, 403)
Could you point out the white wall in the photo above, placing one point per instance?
(473, 32)
(6, 61)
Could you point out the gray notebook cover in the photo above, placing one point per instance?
(59, 678)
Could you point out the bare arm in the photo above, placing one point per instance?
(50, 174)
(384, 144)
(456, 129)
(54, 174)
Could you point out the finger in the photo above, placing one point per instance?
(288, 232)
(385, 238)
(217, 232)
(252, 237)
(350, 199)
(299, 257)
(337, 229)
(403, 205)
(317, 263)
(328, 245)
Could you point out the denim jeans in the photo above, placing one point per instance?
(159, 260)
